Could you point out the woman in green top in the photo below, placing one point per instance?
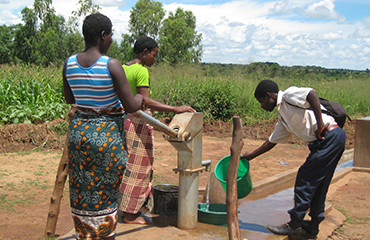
(137, 179)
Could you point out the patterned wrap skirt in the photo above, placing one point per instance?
(97, 158)
(137, 180)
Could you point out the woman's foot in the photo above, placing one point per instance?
(137, 218)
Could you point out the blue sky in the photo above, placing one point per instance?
(326, 33)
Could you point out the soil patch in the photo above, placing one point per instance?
(47, 136)
(30, 155)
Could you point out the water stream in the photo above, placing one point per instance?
(207, 190)
(255, 215)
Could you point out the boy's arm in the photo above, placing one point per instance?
(266, 146)
(314, 101)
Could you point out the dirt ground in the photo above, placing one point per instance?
(30, 154)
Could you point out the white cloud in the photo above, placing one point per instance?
(10, 11)
(286, 41)
(332, 36)
(9, 17)
(65, 7)
(110, 3)
(289, 32)
(119, 20)
(288, 7)
(322, 9)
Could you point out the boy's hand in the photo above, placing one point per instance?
(321, 131)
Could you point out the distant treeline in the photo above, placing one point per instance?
(272, 70)
(45, 38)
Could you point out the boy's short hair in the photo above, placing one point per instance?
(94, 25)
(144, 43)
(264, 87)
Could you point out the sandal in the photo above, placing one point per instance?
(140, 219)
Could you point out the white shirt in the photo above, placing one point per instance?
(294, 117)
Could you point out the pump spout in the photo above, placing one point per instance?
(207, 165)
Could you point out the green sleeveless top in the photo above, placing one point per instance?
(137, 76)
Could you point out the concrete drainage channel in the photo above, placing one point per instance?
(251, 224)
(260, 210)
(272, 197)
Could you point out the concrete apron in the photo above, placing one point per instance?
(168, 230)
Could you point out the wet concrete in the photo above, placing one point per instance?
(253, 216)
(272, 209)
(165, 229)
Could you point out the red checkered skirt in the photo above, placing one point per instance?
(137, 178)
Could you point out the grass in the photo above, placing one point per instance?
(61, 128)
(234, 86)
(348, 219)
(10, 205)
(158, 179)
(32, 94)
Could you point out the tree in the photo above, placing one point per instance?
(40, 39)
(45, 37)
(74, 41)
(179, 41)
(145, 19)
(6, 44)
(50, 45)
(25, 36)
(126, 48)
(86, 8)
(45, 12)
(115, 51)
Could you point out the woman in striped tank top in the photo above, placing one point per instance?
(97, 150)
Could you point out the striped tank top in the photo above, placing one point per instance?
(92, 87)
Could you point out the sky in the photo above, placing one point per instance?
(325, 33)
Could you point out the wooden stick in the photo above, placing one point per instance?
(60, 180)
(231, 179)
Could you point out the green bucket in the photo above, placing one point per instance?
(215, 214)
(244, 181)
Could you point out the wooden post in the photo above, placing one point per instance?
(60, 180)
(231, 178)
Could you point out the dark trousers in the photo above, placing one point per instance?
(314, 177)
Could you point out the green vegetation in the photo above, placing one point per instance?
(46, 38)
(30, 94)
(179, 41)
(9, 204)
(221, 91)
(34, 94)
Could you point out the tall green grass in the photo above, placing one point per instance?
(34, 94)
(30, 94)
(231, 88)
